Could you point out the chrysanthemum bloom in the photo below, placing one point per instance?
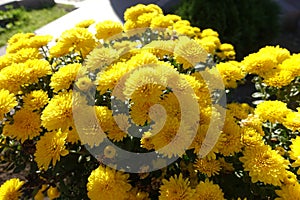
(26, 40)
(278, 53)
(292, 64)
(7, 102)
(292, 120)
(84, 83)
(35, 100)
(101, 57)
(209, 43)
(250, 137)
(259, 63)
(273, 111)
(27, 125)
(58, 113)
(176, 188)
(295, 152)
(160, 48)
(17, 75)
(11, 189)
(49, 149)
(288, 192)
(189, 52)
(64, 77)
(264, 164)
(208, 167)
(278, 77)
(107, 29)
(107, 184)
(20, 56)
(164, 21)
(140, 16)
(240, 110)
(231, 142)
(76, 40)
(85, 23)
(208, 191)
(227, 51)
(231, 72)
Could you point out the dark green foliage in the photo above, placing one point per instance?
(247, 24)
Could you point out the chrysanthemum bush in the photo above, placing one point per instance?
(139, 111)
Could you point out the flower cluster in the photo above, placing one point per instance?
(71, 111)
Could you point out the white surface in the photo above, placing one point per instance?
(99, 10)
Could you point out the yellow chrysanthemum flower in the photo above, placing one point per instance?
(209, 32)
(11, 189)
(264, 164)
(107, 29)
(160, 48)
(209, 43)
(49, 149)
(278, 77)
(288, 192)
(273, 111)
(240, 110)
(35, 100)
(231, 72)
(64, 77)
(111, 184)
(58, 113)
(231, 135)
(101, 57)
(85, 23)
(20, 56)
(27, 125)
(292, 120)
(208, 167)
(22, 74)
(188, 52)
(7, 102)
(176, 188)
(295, 152)
(280, 54)
(292, 64)
(208, 191)
(77, 40)
(164, 21)
(227, 51)
(250, 137)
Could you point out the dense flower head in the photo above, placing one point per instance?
(207, 190)
(11, 189)
(231, 72)
(35, 100)
(7, 102)
(208, 167)
(189, 52)
(292, 64)
(292, 120)
(176, 188)
(273, 111)
(264, 164)
(288, 192)
(295, 152)
(65, 77)
(109, 184)
(107, 29)
(85, 23)
(27, 125)
(76, 40)
(50, 148)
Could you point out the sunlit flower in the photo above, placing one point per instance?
(287, 192)
(231, 72)
(208, 191)
(264, 164)
(107, 29)
(111, 184)
(50, 148)
(295, 152)
(27, 125)
(273, 111)
(85, 23)
(189, 53)
(35, 100)
(176, 188)
(11, 189)
(292, 120)
(53, 193)
(208, 167)
(7, 102)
